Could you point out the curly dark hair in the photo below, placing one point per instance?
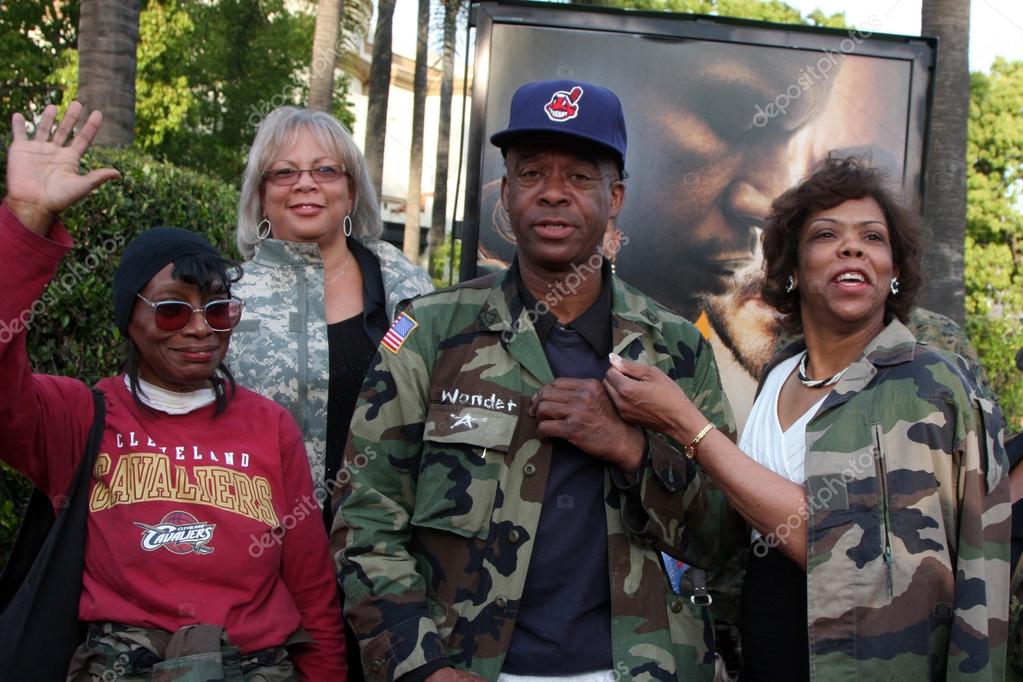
(836, 180)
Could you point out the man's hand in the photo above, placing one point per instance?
(453, 675)
(581, 412)
(42, 173)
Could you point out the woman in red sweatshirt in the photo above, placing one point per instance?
(202, 536)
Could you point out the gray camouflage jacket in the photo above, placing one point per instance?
(909, 520)
(279, 349)
(444, 477)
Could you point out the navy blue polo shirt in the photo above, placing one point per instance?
(563, 626)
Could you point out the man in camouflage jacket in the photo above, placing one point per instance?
(909, 520)
(447, 466)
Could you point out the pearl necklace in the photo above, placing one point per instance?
(816, 383)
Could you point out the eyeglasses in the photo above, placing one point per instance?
(283, 177)
(221, 315)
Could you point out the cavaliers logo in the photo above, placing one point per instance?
(564, 106)
(179, 532)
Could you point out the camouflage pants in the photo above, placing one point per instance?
(196, 653)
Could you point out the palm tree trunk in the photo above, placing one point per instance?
(108, 35)
(321, 72)
(944, 208)
(438, 220)
(415, 170)
(379, 89)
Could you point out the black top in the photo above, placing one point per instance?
(350, 355)
(563, 626)
(374, 301)
(351, 345)
(775, 642)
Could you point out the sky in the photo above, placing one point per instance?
(996, 26)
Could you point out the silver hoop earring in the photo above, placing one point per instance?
(348, 225)
(790, 285)
(894, 285)
(263, 229)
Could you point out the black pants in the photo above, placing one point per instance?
(774, 634)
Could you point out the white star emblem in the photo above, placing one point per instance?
(466, 420)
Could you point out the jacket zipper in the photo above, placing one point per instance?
(882, 477)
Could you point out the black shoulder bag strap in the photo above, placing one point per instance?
(42, 584)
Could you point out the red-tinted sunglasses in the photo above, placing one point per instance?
(221, 315)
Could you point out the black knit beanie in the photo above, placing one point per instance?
(145, 256)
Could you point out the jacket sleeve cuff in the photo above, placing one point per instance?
(657, 502)
(630, 483)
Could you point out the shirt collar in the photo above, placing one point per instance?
(594, 324)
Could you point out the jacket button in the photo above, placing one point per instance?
(529, 469)
(500, 602)
(513, 535)
(676, 606)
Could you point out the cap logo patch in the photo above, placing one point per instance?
(564, 106)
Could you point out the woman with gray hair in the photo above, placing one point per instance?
(321, 287)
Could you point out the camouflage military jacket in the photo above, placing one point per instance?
(944, 334)
(445, 476)
(909, 525)
(279, 349)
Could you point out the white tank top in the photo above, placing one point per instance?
(780, 451)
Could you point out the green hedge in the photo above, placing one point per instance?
(71, 327)
(997, 340)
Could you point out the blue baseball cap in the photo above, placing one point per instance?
(566, 107)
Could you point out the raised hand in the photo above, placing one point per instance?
(43, 174)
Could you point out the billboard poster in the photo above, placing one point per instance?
(722, 116)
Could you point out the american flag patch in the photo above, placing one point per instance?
(395, 337)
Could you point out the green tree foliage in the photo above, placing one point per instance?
(212, 72)
(208, 72)
(994, 229)
(760, 10)
(33, 36)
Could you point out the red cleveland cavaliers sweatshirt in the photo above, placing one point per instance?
(194, 518)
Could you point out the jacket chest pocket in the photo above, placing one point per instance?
(462, 469)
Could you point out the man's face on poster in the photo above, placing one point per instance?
(736, 131)
(713, 166)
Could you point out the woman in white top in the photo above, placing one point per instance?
(875, 475)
